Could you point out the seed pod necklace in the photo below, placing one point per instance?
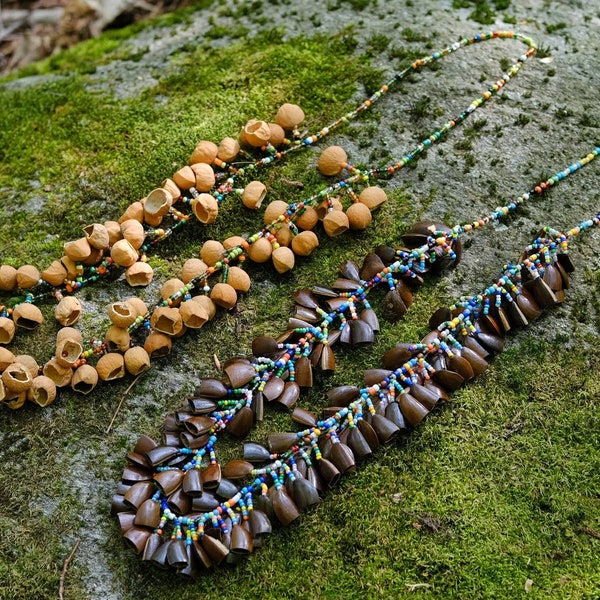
(178, 507)
(117, 352)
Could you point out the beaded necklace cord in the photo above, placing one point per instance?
(179, 508)
(117, 352)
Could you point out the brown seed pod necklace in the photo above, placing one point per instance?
(179, 508)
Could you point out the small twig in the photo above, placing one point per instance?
(121, 403)
(297, 184)
(415, 586)
(590, 531)
(61, 585)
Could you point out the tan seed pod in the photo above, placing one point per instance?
(55, 274)
(8, 278)
(133, 232)
(184, 178)
(29, 363)
(27, 277)
(206, 208)
(85, 379)
(277, 135)
(332, 161)
(359, 216)
(152, 220)
(158, 202)
(171, 287)
(157, 344)
(137, 360)
(373, 196)
(205, 152)
(71, 267)
(97, 236)
(283, 259)
(233, 241)
(224, 295)
(139, 274)
(171, 187)
(123, 253)
(323, 208)
(284, 235)
(274, 210)
(212, 252)
(14, 400)
(308, 219)
(208, 305)
(78, 250)
(260, 251)
(138, 304)
(228, 149)
(238, 279)
(134, 211)
(113, 228)
(289, 116)
(335, 223)
(27, 315)
(16, 378)
(304, 243)
(7, 330)
(58, 373)
(117, 339)
(94, 258)
(256, 133)
(192, 268)
(69, 333)
(121, 314)
(194, 315)
(205, 177)
(42, 391)
(68, 351)
(111, 366)
(167, 320)
(253, 195)
(6, 358)
(68, 311)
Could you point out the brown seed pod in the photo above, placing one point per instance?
(171, 187)
(84, 379)
(94, 258)
(121, 314)
(6, 358)
(111, 366)
(335, 223)
(212, 252)
(68, 311)
(323, 208)
(137, 360)
(8, 278)
(157, 344)
(233, 241)
(171, 287)
(206, 208)
(78, 250)
(205, 152)
(97, 236)
(133, 232)
(27, 315)
(332, 161)
(208, 305)
(29, 363)
(117, 338)
(167, 320)
(113, 228)
(153, 221)
(27, 276)
(185, 178)
(284, 235)
(304, 243)
(55, 274)
(7, 330)
(123, 253)
(16, 378)
(256, 133)
(224, 295)
(139, 274)
(158, 202)
(289, 116)
(373, 196)
(69, 333)
(192, 268)
(253, 195)
(359, 216)
(134, 211)
(308, 219)
(238, 279)
(42, 391)
(194, 315)
(277, 135)
(138, 304)
(260, 251)
(283, 259)
(59, 374)
(228, 149)
(68, 351)
(275, 210)
(205, 177)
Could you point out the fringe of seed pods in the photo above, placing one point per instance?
(178, 507)
(212, 175)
